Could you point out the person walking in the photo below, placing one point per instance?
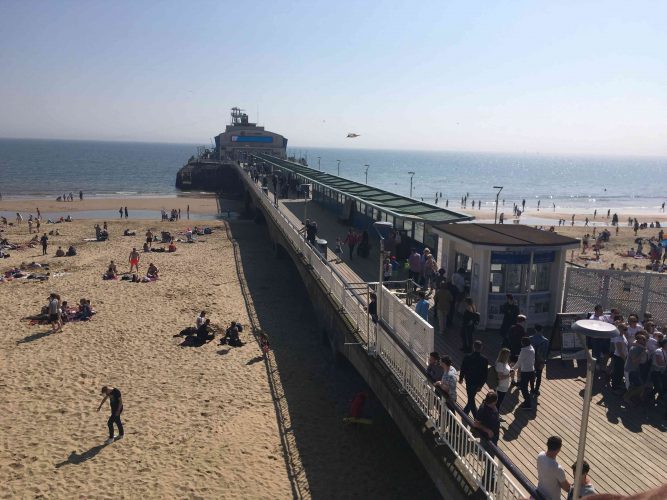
(474, 370)
(525, 364)
(126, 213)
(120, 211)
(504, 372)
(550, 475)
(44, 240)
(487, 422)
(470, 321)
(351, 241)
(116, 403)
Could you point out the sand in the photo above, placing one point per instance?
(200, 422)
(198, 204)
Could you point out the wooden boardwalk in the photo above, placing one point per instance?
(626, 447)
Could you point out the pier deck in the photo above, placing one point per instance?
(626, 447)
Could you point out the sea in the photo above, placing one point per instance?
(572, 184)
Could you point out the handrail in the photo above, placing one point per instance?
(490, 467)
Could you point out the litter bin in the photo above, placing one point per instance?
(321, 246)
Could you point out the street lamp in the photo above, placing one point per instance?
(338, 167)
(499, 188)
(412, 174)
(318, 163)
(306, 189)
(366, 172)
(597, 330)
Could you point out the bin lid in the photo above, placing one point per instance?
(320, 241)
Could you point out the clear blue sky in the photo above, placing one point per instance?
(554, 77)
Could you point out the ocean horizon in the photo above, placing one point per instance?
(46, 168)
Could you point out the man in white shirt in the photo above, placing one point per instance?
(449, 379)
(634, 327)
(201, 319)
(525, 365)
(550, 475)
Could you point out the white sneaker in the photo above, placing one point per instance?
(109, 441)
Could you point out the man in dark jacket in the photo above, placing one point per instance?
(510, 312)
(474, 371)
(517, 332)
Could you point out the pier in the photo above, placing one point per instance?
(440, 437)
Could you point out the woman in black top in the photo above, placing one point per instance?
(469, 323)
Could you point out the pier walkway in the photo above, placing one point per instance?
(626, 447)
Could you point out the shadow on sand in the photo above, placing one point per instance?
(78, 458)
(312, 390)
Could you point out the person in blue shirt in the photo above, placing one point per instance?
(422, 306)
(541, 345)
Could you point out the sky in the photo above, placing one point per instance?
(568, 77)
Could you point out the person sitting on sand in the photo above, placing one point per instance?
(201, 319)
(134, 260)
(172, 247)
(152, 271)
(146, 248)
(85, 310)
(60, 252)
(232, 334)
(112, 271)
(71, 251)
(204, 333)
(63, 312)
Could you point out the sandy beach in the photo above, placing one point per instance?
(198, 204)
(200, 422)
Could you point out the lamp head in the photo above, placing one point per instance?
(595, 329)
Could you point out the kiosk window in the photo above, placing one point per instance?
(419, 232)
(540, 277)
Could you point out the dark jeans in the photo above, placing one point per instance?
(351, 247)
(538, 380)
(600, 348)
(466, 336)
(501, 396)
(526, 378)
(617, 368)
(115, 419)
(43, 249)
(470, 406)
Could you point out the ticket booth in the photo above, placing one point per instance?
(497, 259)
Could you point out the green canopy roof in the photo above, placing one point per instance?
(394, 204)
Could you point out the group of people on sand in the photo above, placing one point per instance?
(204, 332)
(69, 197)
(58, 312)
(152, 272)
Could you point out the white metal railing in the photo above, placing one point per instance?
(417, 336)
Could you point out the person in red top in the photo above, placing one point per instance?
(351, 240)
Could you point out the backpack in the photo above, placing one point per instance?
(492, 378)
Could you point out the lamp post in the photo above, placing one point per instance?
(412, 174)
(338, 167)
(366, 172)
(318, 163)
(306, 189)
(499, 188)
(597, 330)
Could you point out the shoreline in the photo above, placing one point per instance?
(199, 204)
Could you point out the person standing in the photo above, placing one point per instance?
(468, 324)
(116, 403)
(510, 311)
(80, 195)
(44, 240)
(516, 333)
(474, 370)
(550, 475)
(134, 260)
(120, 211)
(188, 212)
(448, 382)
(422, 306)
(620, 343)
(415, 265)
(443, 302)
(433, 370)
(525, 364)
(126, 213)
(504, 371)
(487, 422)
(541, 345)
(54, 312)
(586, 487)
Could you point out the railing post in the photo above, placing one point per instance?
(500, 481)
